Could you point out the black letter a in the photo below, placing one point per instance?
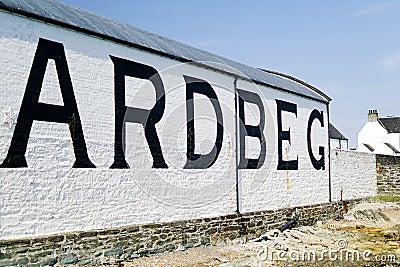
(32, 109)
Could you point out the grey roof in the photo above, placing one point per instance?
(392, 125)
(58, 13)
(335, 133)
(392, 147)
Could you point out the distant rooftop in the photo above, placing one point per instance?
(58, 13)
(391, 124)
(335, 133)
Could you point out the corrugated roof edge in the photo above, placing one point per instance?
(38, 12)
(298, 81)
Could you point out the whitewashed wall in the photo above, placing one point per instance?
(49, 196)
(269, 188)
(353, 174)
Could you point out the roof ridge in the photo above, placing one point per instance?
(297, 80)
(393, 117)
(334, 132)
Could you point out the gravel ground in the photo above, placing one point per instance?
(369, 235)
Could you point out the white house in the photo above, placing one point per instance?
(380, 135)
(337, 139)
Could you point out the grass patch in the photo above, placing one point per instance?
(386, 198)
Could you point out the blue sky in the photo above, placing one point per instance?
(348, 49)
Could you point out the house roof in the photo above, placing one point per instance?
(392, 125)
(58, 13)
(335, 133)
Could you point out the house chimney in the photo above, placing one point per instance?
(373, 115)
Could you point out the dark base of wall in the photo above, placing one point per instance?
(101, 246)
(388, 175)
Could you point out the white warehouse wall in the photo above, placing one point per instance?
(269, 188)
(49, 196)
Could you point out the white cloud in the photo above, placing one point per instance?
(378, 8)
(391, 62)
(211, 42)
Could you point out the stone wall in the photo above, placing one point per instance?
(101, 246)
(388, 175)
(359, 175)
(353, 174)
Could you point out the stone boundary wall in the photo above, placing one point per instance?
(102, 246)
(388, 175)
(353, 174)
